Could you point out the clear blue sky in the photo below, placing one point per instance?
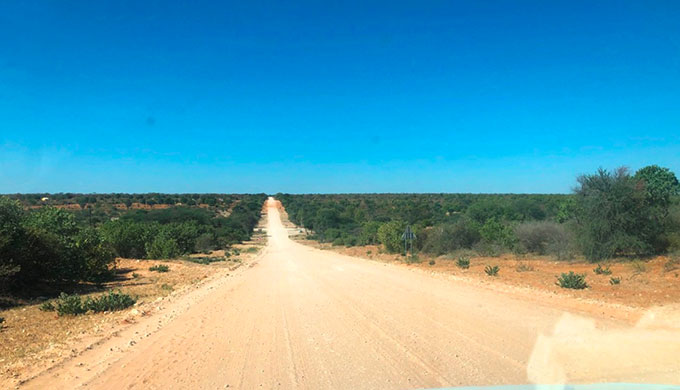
(321, 96)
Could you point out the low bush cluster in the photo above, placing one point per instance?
(74, 305)
(572, 280)
(599, 270)
(159, 268)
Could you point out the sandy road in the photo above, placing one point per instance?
(305, 318)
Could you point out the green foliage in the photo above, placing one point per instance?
(599, 270)
(389, 235)
(431, 262)
(572, 280)
(492, 271)
(443, 222)
(159, 268)
(450, 237)
(463, 262)
(621, 215)
(47, 306)
(128, 238)
(74, 305)
(497, 234)
(522, 267)
(614, 280)
(48, 245)
(111, 301)
(70, 305)
(205, 260)
(163, 246)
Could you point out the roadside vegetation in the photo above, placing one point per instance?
(611, 214)
(46, 248)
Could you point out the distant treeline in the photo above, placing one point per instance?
(54, 245)
(609, 214)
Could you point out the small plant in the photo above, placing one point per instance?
(70, 305)
(602, 271)
(614, 280)
(47, 306)
(2, 320)
(572, 280)
(166, 287)
(252, 249)
(135, 275)
(369, 253)
(109, 302)
(524, 267)
(463, 262)
(159, 268)
(431, 262)
(492, 271)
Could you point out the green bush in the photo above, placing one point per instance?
(70, 305)
(47, 245)
(389, 235)
(74, 305)
(602, 271)
(463, 262)
(614, 280)
(159, 268)
(47, 306)
(492, 271)
(572, 280)
(431, 262)
(109, 302)
(163, 247)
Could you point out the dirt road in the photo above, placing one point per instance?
(306, 318)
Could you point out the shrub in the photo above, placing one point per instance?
(572, 280)
(162, 247)
(602, 271)
(451, 237)
(614, 280)
(389, 235)
(135, 275)
(159, 268)
(47, 306)
(109, 302)
(2, 320)
(498, 234)
(70, 305)
(431, 262)
(544, 237)
(463, 262)
(205, 243)
(492, 271)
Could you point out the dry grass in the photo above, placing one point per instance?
(643, 283)
(31, 336)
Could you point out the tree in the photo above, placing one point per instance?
(660, 186)
(611, 215)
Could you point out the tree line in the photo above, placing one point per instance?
(51, 245)
(609, 214)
